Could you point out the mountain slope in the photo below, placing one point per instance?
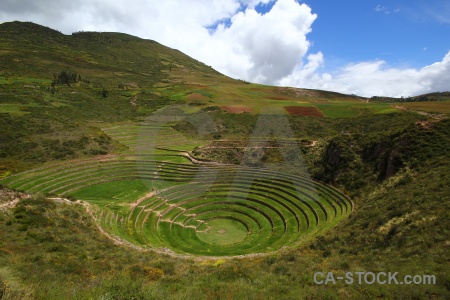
(52, 84)
(56, 88)
(113, 56)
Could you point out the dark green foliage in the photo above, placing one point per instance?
(104, 93)
(413, 146)
(65, 77)
(31, 213)
(338, 156)
(438, 96)
(71, 198)
(211, 108)
(28, 138)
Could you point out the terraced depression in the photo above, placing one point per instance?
(165, 199)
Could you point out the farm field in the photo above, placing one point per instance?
(436, 107)
(159, 199)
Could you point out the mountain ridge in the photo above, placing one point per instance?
(43, 33)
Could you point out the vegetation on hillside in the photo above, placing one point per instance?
(82, 115)
(399, 227)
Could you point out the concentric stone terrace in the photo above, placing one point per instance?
(193, 209)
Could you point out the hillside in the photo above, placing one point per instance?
(116, 77)
(129, 170)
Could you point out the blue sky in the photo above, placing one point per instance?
(364, 47)
(405, 33)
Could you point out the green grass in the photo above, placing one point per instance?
(80, 262)
(276, 209)
(437, 107)
(113, 192)
(14, 109)
(12, 80)
(224, 232)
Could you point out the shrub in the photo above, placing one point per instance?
(23, 227)
(65, 77)
(153, 273)
(104, 93)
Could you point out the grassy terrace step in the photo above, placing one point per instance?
(61, 168)
(52, 177)
(196, 205)
(145, 138)
(295, 209)
(191, 208)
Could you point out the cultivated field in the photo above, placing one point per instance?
(155, 195)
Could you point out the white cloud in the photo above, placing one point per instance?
(380, 8)
(235, 39)
(374, 78)
(269, 45)
(256, 47)
(386, 10)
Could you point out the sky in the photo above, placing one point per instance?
(396, 48)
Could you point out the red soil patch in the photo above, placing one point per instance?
(236, 109)
(277, 98)
(195, 96)
(309, 111)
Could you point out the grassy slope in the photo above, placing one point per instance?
(41, 123)
(400, 224)
(400, 228)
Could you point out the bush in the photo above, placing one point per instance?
(71, 198)
(65, 77)
(23, 227)
(153, 273)
(104, 93)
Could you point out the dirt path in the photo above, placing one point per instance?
(200, 162)
(313, 143)
(79, 202)
(139, 201)
(422, 113)
(10, 204)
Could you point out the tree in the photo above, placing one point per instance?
(65, 77)
(105, 93)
